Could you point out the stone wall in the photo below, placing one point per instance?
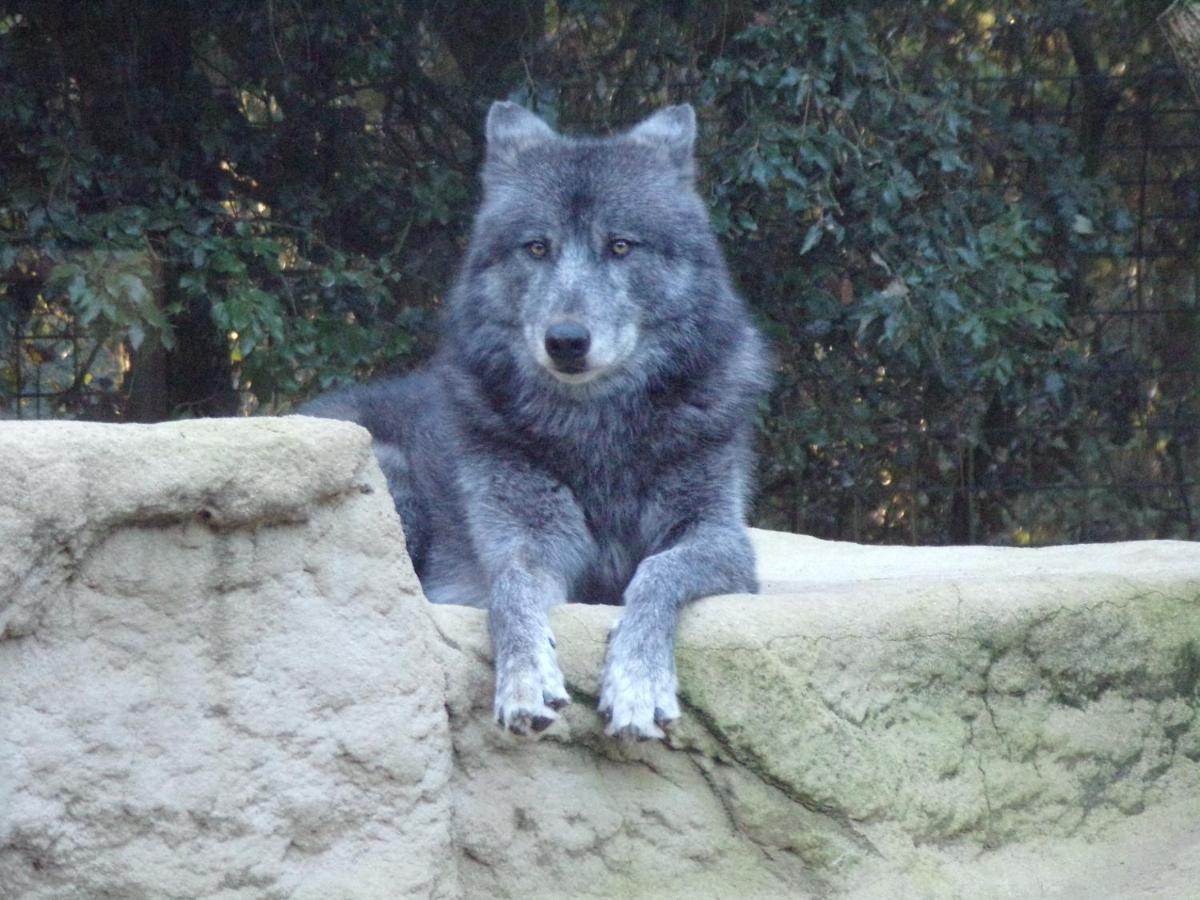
(218, 678)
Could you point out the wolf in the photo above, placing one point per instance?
(583, 432)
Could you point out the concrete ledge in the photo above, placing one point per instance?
(219, 679)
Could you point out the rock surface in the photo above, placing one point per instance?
(218, 679)
(216, 670)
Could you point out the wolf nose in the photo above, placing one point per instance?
(567, 344)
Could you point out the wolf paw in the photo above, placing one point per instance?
(529, 692)
(637, 698)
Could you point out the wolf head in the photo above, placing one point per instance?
(592, 261)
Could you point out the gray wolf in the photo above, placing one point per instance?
(583, 433)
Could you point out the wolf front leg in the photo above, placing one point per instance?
(638, 688)
(529, 683)
(531, 540)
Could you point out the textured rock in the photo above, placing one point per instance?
(215, 672)
(966, 722)
(217, 679)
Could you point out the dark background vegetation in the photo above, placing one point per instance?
(968, 227)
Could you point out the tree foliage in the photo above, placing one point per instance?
(230, 206)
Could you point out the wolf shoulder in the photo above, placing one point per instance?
(411, 423)
(391, 408)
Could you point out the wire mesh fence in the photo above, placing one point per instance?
(1140, 314)
(58, 368)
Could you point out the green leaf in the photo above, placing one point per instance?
(812, 237)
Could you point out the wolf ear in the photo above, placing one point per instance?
(511, 128)
(673, 132)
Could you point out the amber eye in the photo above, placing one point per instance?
(537, 249)
(620, 247)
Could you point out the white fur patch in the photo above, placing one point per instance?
(524, 687)
(631, 694)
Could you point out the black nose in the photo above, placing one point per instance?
(567, 344)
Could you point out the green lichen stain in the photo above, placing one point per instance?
(1186, 671)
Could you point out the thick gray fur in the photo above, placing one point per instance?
(523, 481)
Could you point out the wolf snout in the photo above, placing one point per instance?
(567, 345)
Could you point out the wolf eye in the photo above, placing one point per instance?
(537, 249)
(620, 247)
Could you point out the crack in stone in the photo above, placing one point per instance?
(720, 797)
(754, 766)
(990, 840)
(454, 645)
